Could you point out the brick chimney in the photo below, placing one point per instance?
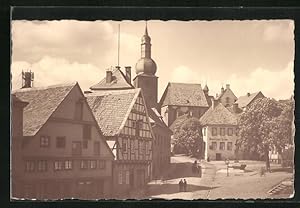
(128, 74)
(28, 79)
(248, 94)
(108, 76)
(227, 86)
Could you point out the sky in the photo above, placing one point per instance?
(251, 56)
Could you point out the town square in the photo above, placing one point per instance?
(154, 110)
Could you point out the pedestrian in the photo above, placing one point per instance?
(200, 171)
(180, 185)
(184, 184)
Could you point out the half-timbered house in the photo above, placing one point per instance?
(123, 118)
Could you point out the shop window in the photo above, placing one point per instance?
(68, 164)
(30, 166)
(84, 164)
(120, 177)
(42, 165)
(58, 165)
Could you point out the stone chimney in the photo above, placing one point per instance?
(235, 107)
(248, 94)
(108, 76)
(227, 86)
(128, 74)
(222, 90)
(28, 79)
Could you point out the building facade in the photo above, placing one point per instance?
(220, 133)
(63, 153)
(179, 99)
(123, 118)
(226, 97)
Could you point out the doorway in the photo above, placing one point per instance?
(218, 156)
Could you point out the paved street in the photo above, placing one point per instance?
(215, 183)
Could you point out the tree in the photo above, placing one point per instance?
(266, 123)
(188, 135)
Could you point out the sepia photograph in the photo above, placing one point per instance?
(192, 110)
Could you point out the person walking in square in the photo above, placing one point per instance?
(184, 184)
(180, 185)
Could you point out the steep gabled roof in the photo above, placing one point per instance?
(118, 82)
(42, 102)
(244, 101)
(156, 119)
(182, 94)
(219, 115)
(224, 92)
(111, 108)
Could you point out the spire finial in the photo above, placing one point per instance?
(146, 30)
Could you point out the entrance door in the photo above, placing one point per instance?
(218, 156)
(140, 178)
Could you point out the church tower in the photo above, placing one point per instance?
(145, 72)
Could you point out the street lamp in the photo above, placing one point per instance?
(227, 163)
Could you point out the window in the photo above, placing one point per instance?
(120, 177)
(42, 165)
(87, 132)
(127, 176)
(44, 141)
(78, 110)
(204, 131)
(58, 165)
(85, 144)
(222, 145)
(124, 145)
(222, 131)
(76, 148)
(68, 164)
(84, 164)
(29, 166)
(214, 145)
(214, 131)
(229, 131)
(97, 148)
(60, 142)
(229, 146)
(101, 164)
(93, 164)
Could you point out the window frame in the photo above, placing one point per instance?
(230, 130)
(214, 147)
(230, 149)
(214, 131)
(222, 144)
(44, 144)
(222, 131)
(57, 142)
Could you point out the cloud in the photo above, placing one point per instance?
(83, 42)
(49, 71)
(275, 84)
(279, 31)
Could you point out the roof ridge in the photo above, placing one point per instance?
(68, 84)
